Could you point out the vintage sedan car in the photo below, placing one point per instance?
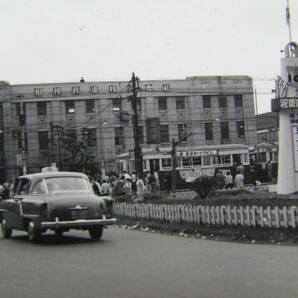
(57, 201)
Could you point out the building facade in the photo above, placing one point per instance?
(79, 125)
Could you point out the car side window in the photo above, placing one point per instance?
(24, 187)
(39, 188)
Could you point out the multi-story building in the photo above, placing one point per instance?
(267, 125)
(43, 123)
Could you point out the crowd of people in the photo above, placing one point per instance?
(5, 190)
(127, 184)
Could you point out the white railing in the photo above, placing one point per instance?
(274, 217)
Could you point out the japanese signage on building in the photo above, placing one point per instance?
(288, 103)
(295, 146)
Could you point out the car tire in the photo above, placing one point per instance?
(33, 232)
(6, 232)
(58, 233)
(96, 232)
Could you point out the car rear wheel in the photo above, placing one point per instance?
(33, 232)
(6, 232)
(58, 233)
(96, 232)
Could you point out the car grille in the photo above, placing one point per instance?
(74, 213)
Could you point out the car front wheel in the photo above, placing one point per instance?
(6, 232)
(96, 232)
(33, 232)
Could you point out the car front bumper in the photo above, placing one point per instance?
(79, 223)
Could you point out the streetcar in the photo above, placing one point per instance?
(191, 161)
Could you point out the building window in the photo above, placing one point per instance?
(162, 103)
(113, 88)
(91, 137)
(180, 103)
(208, 131)
(141, 134)
(43, 140)
(117, 104)
(148, 87)
(90, 106)
(153, 130)
(238, 100)
(166, 87)
(94, 89)
(57, 91)
(206, 101)
(70, 107)
(240, 129)
(41, 108)
(224, 130)
(164, 133)
(75, 90)
(37, 92)
(182, 132)
(119, 135)
(222, 101)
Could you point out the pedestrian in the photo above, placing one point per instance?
(219, 180)
(269, 170)
(106, 189)
(157, 183)
(134, 182)
(127, 187)
(118, 188)
(140, 189)
(152, 182)
(96, 186)
(229, 180)
(1, 191)
(239, 180)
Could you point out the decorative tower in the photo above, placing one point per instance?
(286, 102)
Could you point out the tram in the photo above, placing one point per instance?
(260, 155)
(191, 161)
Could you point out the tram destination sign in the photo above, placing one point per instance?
(197, 153)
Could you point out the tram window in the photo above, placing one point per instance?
(261, 157)
(197, 160)
(245, 158)
(166, 162)
(275, 156)
(207, 160)
(186, 162)
(226, 159)
(216, 160)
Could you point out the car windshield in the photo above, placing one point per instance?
(65, 184)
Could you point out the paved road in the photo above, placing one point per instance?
(142, 264)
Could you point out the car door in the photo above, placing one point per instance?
(14, 213)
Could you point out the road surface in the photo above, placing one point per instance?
(130, 263)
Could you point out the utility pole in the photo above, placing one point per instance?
(137, 148)
(174, 160)
(173, 174)
(22, 121)
(52, 155)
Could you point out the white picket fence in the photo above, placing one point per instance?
(253, 216)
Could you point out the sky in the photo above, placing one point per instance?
(46, 41)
